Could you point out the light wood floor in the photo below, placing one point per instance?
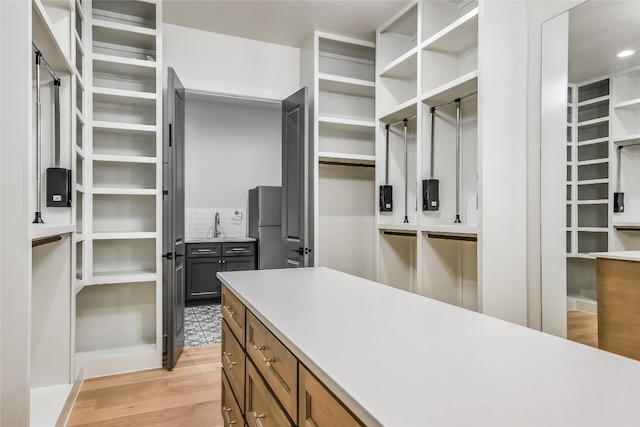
(189, 395)
(582, 327)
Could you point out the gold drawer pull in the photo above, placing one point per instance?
(228, 420)
(229, 310)
(233, 363)
(266, 360)
(255, 415)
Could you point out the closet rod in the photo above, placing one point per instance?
(437, 107)
(56, 79)
(359, 165)
(398, 233)
(45, 240)
(463, 238)
(402, 121)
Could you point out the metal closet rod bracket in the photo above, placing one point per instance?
(400, 121)
(40, 57)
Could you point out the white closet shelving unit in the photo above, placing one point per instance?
(57, 32)
(428, 57)
(119, 299)
(340, 73)
(625, 132)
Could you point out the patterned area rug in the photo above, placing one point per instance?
(202, 325)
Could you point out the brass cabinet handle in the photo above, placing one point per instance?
(256, 415)
(265, 359)
(229, 310)
(225, 412)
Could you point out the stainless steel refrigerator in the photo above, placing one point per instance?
(264, 220)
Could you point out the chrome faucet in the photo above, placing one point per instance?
(216, 224)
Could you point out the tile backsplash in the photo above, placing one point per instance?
(199, 223)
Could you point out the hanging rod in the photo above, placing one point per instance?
(464, 238)
(446, 104)
(359, 165)
(399, 233)
(401, 121)
(45, 240)
(232, 95)
(56, 79)
(621, 146)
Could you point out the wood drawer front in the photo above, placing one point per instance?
(234, 313)
(231, 414)
(197, 250)
(261, 407)
(318, 407)
(238, 249)
(275, 362)
(233, 362)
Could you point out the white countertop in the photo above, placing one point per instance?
(622, 255)
(399, 359)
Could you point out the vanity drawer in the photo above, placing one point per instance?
(231, 414)
(318, 407)
(262, 408)
(233, 361)
(238, 249)
(276, 363)
(233, 312)
(198, 250)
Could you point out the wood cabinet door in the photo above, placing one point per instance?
(262, 408)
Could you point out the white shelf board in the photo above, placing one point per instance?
(124, 235)
(46, 41)
(346, 158)
(463, 85)
(632, 104)
(118, 60)
(592, 229)
(115, 93)
(404, 22)
(403, 67)
(580, 255)
(80, 188)
(80, 152)
(79, 43)
(458, 37)
(592, 162)
(400, 112)
(627, 140)
(113, 277)
(124, 126)
(592, 101)
(79, 237)
(346, 85)
(80, 116)
(342, 122)
(41, 231)
(592, 141)
(593, 121)
(124, 27)
(126, 191)
(123, 159)
(619, 255)
(122, 349)
(398, 227)
(593, 202)
(592, 181)
(627, 225)
(47, 403)
(462, 230)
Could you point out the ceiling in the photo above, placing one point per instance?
(597, 31)
(282, 22)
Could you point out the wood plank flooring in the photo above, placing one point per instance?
(582, 327)
(190, 394)
(187, 396)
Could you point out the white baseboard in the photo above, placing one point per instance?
(582, 304)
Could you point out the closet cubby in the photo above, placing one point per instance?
(139, 14)
(123, 142)
(121, 257)
(111, 74)
(79, 132)
(398, 85)
(79, 202)
(342, 61)
(349, 140)
(398, 37)
(124, 213)
(79, 267)
(57, 17)
(129, 109)
(124, 175)
(397, 266)
(124, 41)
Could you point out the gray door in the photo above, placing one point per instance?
(297, 184)
(173, 244)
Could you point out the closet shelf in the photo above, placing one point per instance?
(80, 152)
(593, 229)
(124, 27)
(345, 122)
(627, 226)
(80, 238)
(592, 141)
(456, 88)
(593, 181)
(126, 191)
(594, 121)
(123, 159)
(80, 188)
(117, 277)
(116, 95)
(346, 85)
(461, 230)
(580, 255)
(398, 227)
(80, 116)
(124, 349)
(593, 162)
(46, 40)
(79, 10)
(403, 67)
(41, 231)
(627, 140)
(124, 235)
(593, 202)
(114, 61)
(632, 104)
(124, 126)
(400, 112)
(593, 101)
(458, 37)
(346, 158)
(79, 44)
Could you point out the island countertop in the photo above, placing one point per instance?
(400, 359)
(620, 255)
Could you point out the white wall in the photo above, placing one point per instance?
(220, 63)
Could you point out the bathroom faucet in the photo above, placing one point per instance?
(216, 224)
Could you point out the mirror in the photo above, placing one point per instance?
(590, 150)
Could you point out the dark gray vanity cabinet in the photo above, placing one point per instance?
(205, 259)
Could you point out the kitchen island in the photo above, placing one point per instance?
(393, 358)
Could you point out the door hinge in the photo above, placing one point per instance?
(168, 255)
(165, 193)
